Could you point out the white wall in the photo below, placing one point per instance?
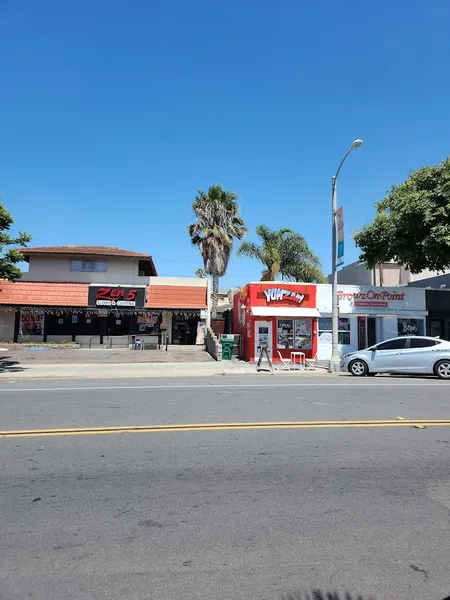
(7, 320)
(190, 281)
(324, 344)
(57, 268)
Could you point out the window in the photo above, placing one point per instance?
(421, 343)
(397, 344)
(410, 326)
(325, 328)
(294, 334)
(145, 268)
(89, 266)
(285, 334)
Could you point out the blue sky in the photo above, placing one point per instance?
(113, 114)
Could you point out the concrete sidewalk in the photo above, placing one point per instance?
(140, 370)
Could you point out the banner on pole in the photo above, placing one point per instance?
(340, 236)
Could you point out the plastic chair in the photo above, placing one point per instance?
(311, 363)
(286, 362)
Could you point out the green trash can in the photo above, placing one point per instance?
(227, 349)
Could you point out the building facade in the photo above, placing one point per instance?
(288, 317)
(89, 293)
(389, 274)
(281, 316)
(368, 315)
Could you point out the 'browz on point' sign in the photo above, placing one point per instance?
(125, 297)
(279, 294)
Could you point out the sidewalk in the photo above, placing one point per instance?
(141, 370)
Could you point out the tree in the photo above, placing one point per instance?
(298, 261)
(412, 225)
(268, 252)
(283, 251)
(217, 223)
(201, 273)
(10, 257)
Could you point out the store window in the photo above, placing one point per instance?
(410, 327)
(325, 328)
(294, 334)
(89, 266)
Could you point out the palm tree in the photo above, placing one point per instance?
(268, 252)
(217, 223)
(201, 273)
(298, 261)
(285, 252)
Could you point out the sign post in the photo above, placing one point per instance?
(264, 353)
(340, 235)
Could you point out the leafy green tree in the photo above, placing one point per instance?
(217, 223)
(412, 225)
(9, 257)
(283, 252)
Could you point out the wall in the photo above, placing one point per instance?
(387, 274)
(190, 281)
(7, 320)
(212, 344)
(355, 273)
(437, 281)
(57, 268)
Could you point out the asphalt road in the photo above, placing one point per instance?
(235, 514)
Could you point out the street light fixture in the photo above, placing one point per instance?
(335, 356)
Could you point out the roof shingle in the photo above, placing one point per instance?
(28, 293)
(95, 250)
(176, 296)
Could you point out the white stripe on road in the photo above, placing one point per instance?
(223, 385)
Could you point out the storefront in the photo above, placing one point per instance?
(281, 316)
(438, 306)
(90, 313)
(368, 315)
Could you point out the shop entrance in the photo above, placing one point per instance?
(263, 336)
(184, 330)
(371, 331)
(117, 324)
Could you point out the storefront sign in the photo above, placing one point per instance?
(125, 297)
(371, 297)
(371, 300)
(280, 294)
(31, 323)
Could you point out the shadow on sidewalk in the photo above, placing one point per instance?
(10, 366)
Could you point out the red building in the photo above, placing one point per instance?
(282, 315)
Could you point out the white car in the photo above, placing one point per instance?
(406, 354)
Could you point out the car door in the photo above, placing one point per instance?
(420, 354)
(389, 356)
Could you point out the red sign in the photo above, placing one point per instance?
(116, 296)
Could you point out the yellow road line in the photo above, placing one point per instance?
(16, 433)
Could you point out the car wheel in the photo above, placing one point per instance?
(358, 368)
(442, 369)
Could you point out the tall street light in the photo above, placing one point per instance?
(335, 356)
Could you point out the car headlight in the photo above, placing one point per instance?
(347, 355)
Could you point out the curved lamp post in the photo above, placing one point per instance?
(335, 356)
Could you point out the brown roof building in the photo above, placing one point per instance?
(90, 294)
